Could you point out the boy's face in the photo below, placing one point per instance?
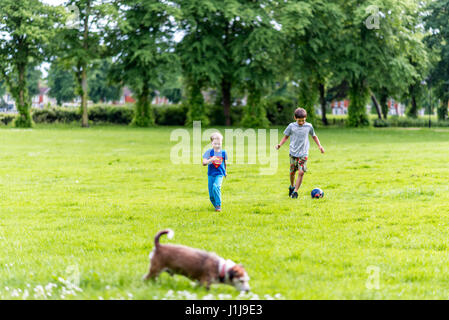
(300, 121)
(216, 143)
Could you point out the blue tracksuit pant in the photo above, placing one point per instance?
(215, 190)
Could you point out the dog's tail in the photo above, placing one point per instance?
(168, 232)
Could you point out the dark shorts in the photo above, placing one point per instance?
(297, 163)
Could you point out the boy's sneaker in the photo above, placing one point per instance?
(295, 195)
(218, 209)
(290, 190)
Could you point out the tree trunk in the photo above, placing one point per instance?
(24, 119)
(84, 96)
(195, 99)
(376, 104)
(255, 115)
(226, 93)
(143, 116)
(384, 103)
(359, 95)
(323, 103)
(442, 110)
(412, 112)
(414, 106)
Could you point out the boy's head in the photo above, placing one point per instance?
(216, 139)
(300, 116)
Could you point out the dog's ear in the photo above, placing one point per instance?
(231, 274)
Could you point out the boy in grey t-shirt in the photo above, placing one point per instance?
(299, 148)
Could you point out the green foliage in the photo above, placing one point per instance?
(280, 110)
(388, 56)
(97, 114)
(23, 120)
(422, 122)
(307, 98)
(215, 114)
(313, 36)
(381, 123)
(6, 118)
(228, 45)
(197, 111)
(438, 42)
(100, 87)
(56, 115)
(79, 46)
(111, 114)
(358, 95)
(144, 51)
(254, 114)
(30, 28)
(143, 115)
(61, 83)
(442, 110)
(34, 75)
(171, 115)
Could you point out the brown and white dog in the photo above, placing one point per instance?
(206, 267)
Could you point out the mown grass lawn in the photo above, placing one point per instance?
(88, 202)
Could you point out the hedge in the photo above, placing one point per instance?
(405, 122)
(279, 112)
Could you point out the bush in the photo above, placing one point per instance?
(280, 110)
(7, 118)
(97, 114)
(111, 114)
(216, 116)
(404, 122)
(381, 123)
(171, 115)
(51, 115)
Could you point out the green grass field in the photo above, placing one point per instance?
(85, 204)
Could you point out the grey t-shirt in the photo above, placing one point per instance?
(299, 140)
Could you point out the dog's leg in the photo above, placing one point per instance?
(170, 272)
(153, 272)
(205, 282)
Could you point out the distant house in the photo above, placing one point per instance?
(394, 107)
(42, 99)
(127, 97)
(340, 107)
(7, 104)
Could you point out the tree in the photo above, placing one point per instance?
(33, 76)
(378, 37)
(100, 87)
(61, 83)
(258, 51)
(27, 27)
(230, 45)
(83, 43)
(143, 44)
(438, 41)
(206, 51)
(314, 36)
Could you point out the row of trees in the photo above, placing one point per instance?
(365, 50)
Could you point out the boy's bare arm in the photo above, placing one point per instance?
(317, 141)
(285, 138)
(207, 161)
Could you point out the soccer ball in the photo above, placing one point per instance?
(317, 193)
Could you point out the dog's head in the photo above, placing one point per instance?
(238, 278)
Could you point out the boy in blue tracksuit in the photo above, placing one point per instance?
(215, 159)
